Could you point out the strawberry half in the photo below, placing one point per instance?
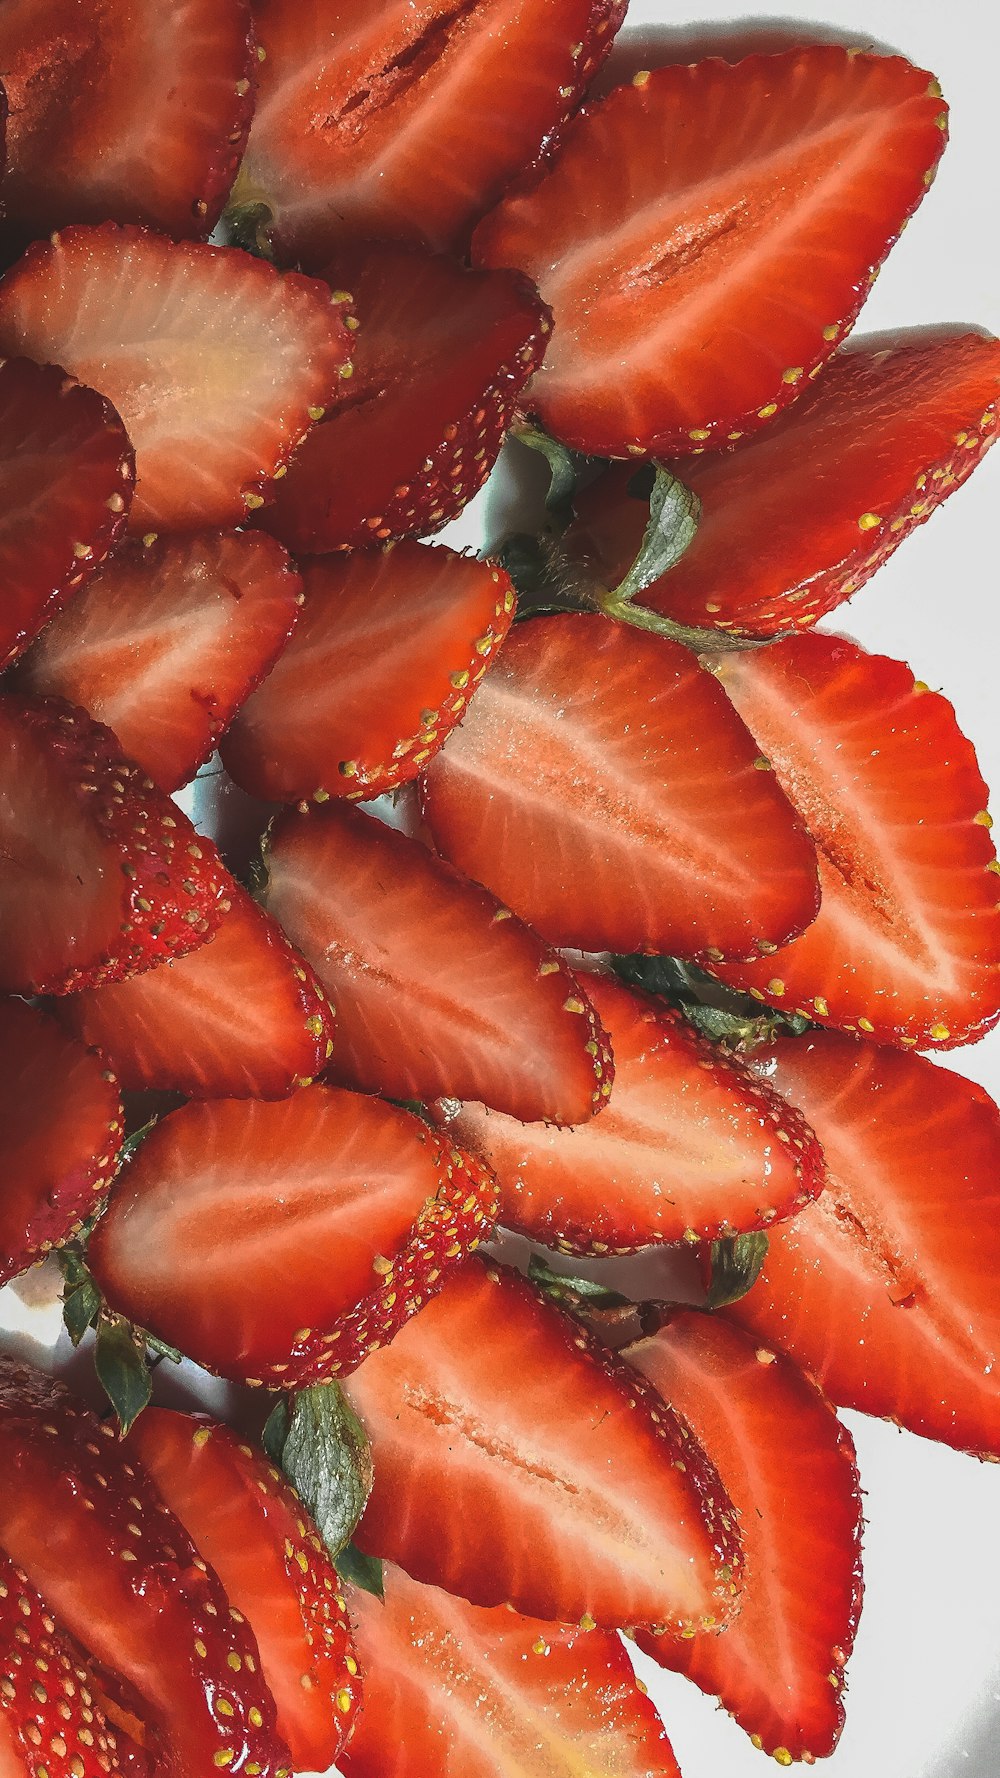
(707, 235)
(453, 1687)
(439, 360)
(67, 471)
(253, 1530)
(166, 642)
(438, 988)
(603, 789)
(798, 519)
(215, 361)
(906, 946)
(281, 1242)
(104, 875)
(388, 649)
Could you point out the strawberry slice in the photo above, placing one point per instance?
(451, 1686)
(387, 651)
(439, 990)
(906, 948)
(214, 360)
(281, 1242)
(788, 1465)
(104, 876)
(689, 1146)
(708, 234)
(138, 113)
(369, 116)
(67, 471)
(604, 790)
(252, 1529)
(794, 522)
(173, 1028)
(883, 1288)
(439, 360)
(123, 1577)
(166, 642)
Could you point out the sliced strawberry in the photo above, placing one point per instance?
(438, 988)
(798, 519)
(788, 1466)
(602, 788)
(389, 647)
(906, 947)
(67, 471)
(167, 641)
(103, 874)
(439, 360)
(281, 1242)
(214, 360)
(133, 112)
(707, 235)
(453, 1687)
(253, 1530)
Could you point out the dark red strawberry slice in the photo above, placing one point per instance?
(884, 1288)
(440, 358)
(387, 651)
(788, 1466)
(243, 1017)
(137, 113)
(214, 360)
(280, 1242)
(103, 874)
(797, 520)
(603, 1510)
(254, 1531)
(451, 1685)
(123, 1577)
(166, 642)
(906, 947)
(67, 472)
(369, 117)
(688, 1147)
(707, 235)
(602, 788)
(438, 988)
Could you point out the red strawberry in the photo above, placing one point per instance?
(439, 990)
(788, 1465)
(370, 116)
(906, 948)
(121, 1574)
(708, 233)
(104, 876)
(242, 1018)
(439, 360)
(451, 1687)
(603, 789)
(794, 522)
(166, 642)
(688, 1147)
(282, 1242)
(66, 475)
(603, 1510)
(388, 650)
(134, 112)
(252, 1529)
(215, 361)
(885, 1287)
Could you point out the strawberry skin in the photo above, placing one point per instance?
(438, 988)
(906, 946)
(595, 756)
(389, 647)
(708, 234)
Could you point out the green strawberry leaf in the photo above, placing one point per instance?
(120, 1359)
(362, 1571)
(275, 1430)
(717, 1013)
(565, 466)
(736, 1266)
(319, 1442)
(670, 530)
(571, 1291)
